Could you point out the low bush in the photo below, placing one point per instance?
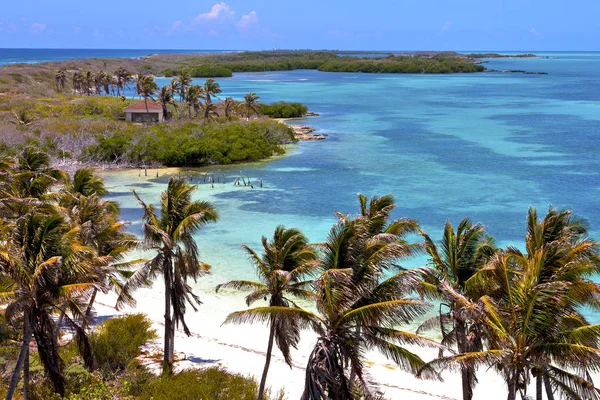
(283, 109)
(116, 342)
(211, 383)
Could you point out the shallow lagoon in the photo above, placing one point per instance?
(485, 145)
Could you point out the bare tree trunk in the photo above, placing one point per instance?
(549, 391)
(263, 380)
(26, 374)
(23, 355)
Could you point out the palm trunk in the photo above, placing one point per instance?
(512, 386)
(549, 391)
(26, 375)
(23, 355)
(88, 310)
(466, 373)
(263, 380)
(539, 393)
(168, 356)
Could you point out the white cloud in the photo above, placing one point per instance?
(219, 12)
(247, 20)
(37, 28)
(77, 30)
(535, 32)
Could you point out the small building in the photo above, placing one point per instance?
(144, 111)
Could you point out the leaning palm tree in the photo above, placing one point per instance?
(282, 269)
(60, 79)
(165, 98)
(228, 106)
(46, 267)
(459, 256)
(211, 88)
(251, 104)
(192, 98)
(170, 234)
(124, 77)
(353, 315)
(530, 310)
(184, 81)
(146, 88)
(210, 111)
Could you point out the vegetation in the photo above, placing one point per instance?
(516, 312)
(177, 259)
(202, 71)
(285, 261)
(283, 109)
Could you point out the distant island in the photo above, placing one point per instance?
(75, 110)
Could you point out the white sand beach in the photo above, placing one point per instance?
(241, 349)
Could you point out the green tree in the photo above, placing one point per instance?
(282, 269)
(251, 104)
(170, 234)
(459, 256)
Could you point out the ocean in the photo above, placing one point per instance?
(33, 56)
(484, 145)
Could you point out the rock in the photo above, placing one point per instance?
(304, 132)
(311, 114)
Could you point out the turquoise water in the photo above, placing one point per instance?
(483, 145)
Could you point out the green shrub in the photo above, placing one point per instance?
(283, 109)
(211, 383)
(116, 342)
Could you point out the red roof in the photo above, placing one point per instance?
(141, 106)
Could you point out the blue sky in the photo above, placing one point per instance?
(315, 24)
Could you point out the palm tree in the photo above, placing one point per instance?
(193, 95)
(530, 313)
(460, 256)
(78, 81)
(146, 88)
(60, 79)
(170, 234)
(228, 106)
(88, 81)
(210, 111)
(32, 175)
(185, 80)
(46, 267)
(285, 262)
(211, 88)
(251, 104)
(165, 98)
(357, 310)
(123, 79)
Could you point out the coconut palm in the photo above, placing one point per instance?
(88, 82)
(124, 77)
(165, 98)
(282, 268)
(211, 88)
(192, 98)
(60, 79)
(32, 176)
(251, 104)
(78, 81)
(184, 81)
(46, 267)
(146, 88)
(459, 256)
(530, 313)
(210, 111)
(228, 106)
(170, 234)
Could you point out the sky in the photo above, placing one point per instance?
(460, 25)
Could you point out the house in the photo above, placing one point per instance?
(144, 111)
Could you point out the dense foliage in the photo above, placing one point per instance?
(202, 71)
(283, 109)
(192, 144)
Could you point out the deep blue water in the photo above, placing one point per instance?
(11, 56)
